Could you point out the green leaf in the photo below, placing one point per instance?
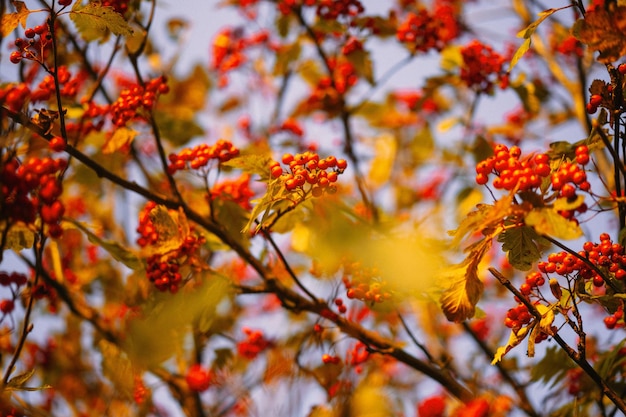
(552, 367)
(233, 218)
(524, 246)
(94, 21)
(120, 253)
(10, 21)
(546, 221)
(19, 237)
(177, 131)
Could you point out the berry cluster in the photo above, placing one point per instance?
(35, 47)
(120, 6)
(163, 270)
(199, 156)
(327, 358)
(569, 46)
(362, 283)
(571, 177)
(511, 172)
(135, 98)
(595, 101)
(254, 343)
(308, 168)
(423, 31)
(14, 96)
(286, 6)
(31, 188)
(198, 378)
(237, 190)
(482, 67)
(332, 9)
(228, 50)
(69, 85)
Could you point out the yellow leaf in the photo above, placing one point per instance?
(11, 20)
(94, 21)
(119, 141)
(385, 150)
(19, 237)
(451, 58)
(300, 237)
(171, 227)
(564, 203)
(546, 221)
(514, 340)
(369, 399)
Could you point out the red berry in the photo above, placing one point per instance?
(595, 100)
(198, 379)
(65, 2)
(15, 57)
(29, 33)
(57, 144)
(622, 69)
(7, 306)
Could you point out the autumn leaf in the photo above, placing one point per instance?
(527, 34)
(546, 221)
(515, 338)
(19, 237)
(94, 20)
(382, 164)
(119, 141)
(604, 30)
(523, 246)
(483, 218)
(459, 300)
(10, 21)
(171, 227)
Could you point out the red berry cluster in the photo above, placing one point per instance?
(69, 85)
(198, 378)
(482, 67)
(229, 47)
(332, 9)
(12, 278)
(511, 172)
(14, 96)
(34, 47)
(308, 168)
(362, 283)
(607, 256)
(595, 101)
(163, 270)
(569, 46)
(254, 343)
(31, 188)
(330, 359)
(286, 6)
(140, 391)
(571, 177)
(517, 317)
(237, 190)
(120, 6)
(135, 98)
(423, 30)
(199, 156)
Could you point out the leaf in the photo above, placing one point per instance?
(120, 141)
(523, 246)
(120, 253)
(176, 130)
(19, 237)
(10, 21)
(604, 30)
(514, 340)
(362, 63)
(459, 300)
(170, 226)
(94, 20)
(252, 164)
(564, 203)
(521, 51)
(526, 34)
(273, 201)
(552, 367)
(385, 150)
(117, 367)
(484, 217)
(165, 321)
(546, 221)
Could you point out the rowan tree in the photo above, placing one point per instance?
(332, 216)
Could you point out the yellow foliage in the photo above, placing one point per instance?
(385, 148)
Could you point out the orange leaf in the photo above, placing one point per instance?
(604, 30)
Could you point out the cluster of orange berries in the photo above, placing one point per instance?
(163, 270)
(30, 188)
(30, 48)
(14, 96)
(362, 283)
(199, 156)
(229, 47)
(308, 168)
(254, 343)
(511, 172)
(332, 9)
(519, 316)
(423, 31)
(482, 67)
(237, 190)
(134, 98)
(69, 85)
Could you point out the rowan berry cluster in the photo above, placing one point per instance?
(136, 98)
(333, 9)
(237, 190)
(511, 172)
(606, 256)
(595, 101)
(8, 279)
(569, 46)
(363, 283)
(423, 30)
(254, 343)
(198, 378)
(32, 188)
(120, 6)
(229, 50)
(199, 156)
(34, 47)
(163, 270)
(69, 85)
(482, 67)
(286, 6)
(327, 358)
(307, 168)
(14, 96)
